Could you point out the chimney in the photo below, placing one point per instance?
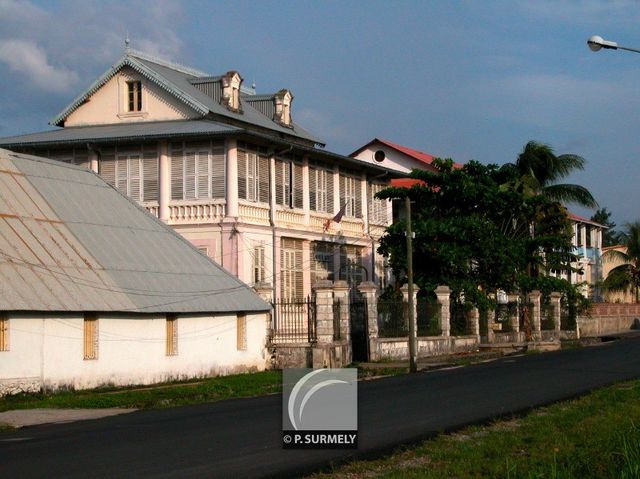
(282, 113)
(231, 84)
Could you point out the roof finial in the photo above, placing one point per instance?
(126, 42)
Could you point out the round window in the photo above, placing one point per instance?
(379, 156)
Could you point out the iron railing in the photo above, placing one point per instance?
(294, 321)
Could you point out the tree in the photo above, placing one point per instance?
(627, 275)
(610, 237)
(538, 169)
(475, 236)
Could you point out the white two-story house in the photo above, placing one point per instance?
(228, 169)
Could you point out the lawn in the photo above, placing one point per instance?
(596, 436)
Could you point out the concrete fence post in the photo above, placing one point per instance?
(369, 291)
(443, 293)
(473, 322)
(555, 304)
(265, 291)
(324, 311)
(341, 293)
(534, 299)
(515, 313)
(405, 300)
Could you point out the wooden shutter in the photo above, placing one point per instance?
(298, 191)
(134, 177)
(313, 187)
(107, 169)
(343, 192)
(121, 174)
(328, 179)
(357, 182)
(263, 178)
(217, 170)
(177, 172)
(150, 174)
(189, 175)
(241, 332)
(90, 337)
(203, 182)
(4, 333)
(81, 157)
(172, 335)
(281, 181)
(242, 174)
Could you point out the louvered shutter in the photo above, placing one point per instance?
(107, 168)
(150, 175)
(202, 165)
(298, 190)
(252, 170)
(242, 174)
(358, 197)
(282, 182)
(177, 172)
(328, 181)
(81, 158)
(313, 188)
(134, 177)
(217, 170)
(121, 174)
(343, 192)
(189, 175)
(263, 178)
(299, 284)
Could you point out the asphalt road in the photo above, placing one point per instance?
(241, 438)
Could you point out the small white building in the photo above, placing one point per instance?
(95, 291)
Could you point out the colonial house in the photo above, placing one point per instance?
(228, 169)
(95, 291)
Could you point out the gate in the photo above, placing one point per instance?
(294, 321)
(359, 327)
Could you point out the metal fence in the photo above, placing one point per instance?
(393, 318)
(336, 319)
(503, 314)
(294, 321)
(547, 320)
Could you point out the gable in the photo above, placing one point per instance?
(393, 159)
(109, 103)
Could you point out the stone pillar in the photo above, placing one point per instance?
(231, 186)
(555, 304)
(473, 321)
(369, 291)
(341, 293)
(515, 315)
(405, 300)
(443, 293)
(164, 181)
(491, 324)
(534, 299)
(93, 160)
(322, 349)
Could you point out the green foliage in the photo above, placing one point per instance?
(476, 235)
(627, 275)
(610, 237)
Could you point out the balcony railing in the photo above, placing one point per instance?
(211, 211)
(253, 213)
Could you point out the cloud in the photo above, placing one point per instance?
(29, 59)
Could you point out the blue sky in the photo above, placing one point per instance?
(466, 80)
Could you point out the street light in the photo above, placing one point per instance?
(596, 42)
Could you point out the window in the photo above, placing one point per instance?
(172, 335)
(351, 268)
(133, 171)
(321, 262)
(351, 195)
(197, 170)
(134, 96)
(241, 332)
(377, 208)
(289, 184)
(259, 275)
(321, 190)
(291, 269)
(204, 250)
(4, 333)
(90, 337)
(253, 174)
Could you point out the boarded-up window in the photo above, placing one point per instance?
(4, 333)
(90, 337)
(351, 195)
(321, 261)
(241, 332)
(291, 268)
(172, 335)
(259, 267)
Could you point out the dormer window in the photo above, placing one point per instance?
(134, 96)
(231, 83)
(282, 113)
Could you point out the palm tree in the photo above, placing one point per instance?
(538, 169)
(627, 275)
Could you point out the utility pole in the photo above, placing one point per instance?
(413, 366)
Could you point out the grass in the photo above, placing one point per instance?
(153, 397)
(596, 436)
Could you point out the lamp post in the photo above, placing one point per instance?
(597, 42)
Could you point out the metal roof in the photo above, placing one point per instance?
(177, 80)
(120, 131)
(71, 242)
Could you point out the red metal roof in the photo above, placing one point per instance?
(406, 182)
(421, 156)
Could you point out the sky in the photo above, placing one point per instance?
(466, 80)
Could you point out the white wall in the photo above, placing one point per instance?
(132, 350)
(394, 159)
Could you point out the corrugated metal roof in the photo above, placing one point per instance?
(176, 80)
(122, 131)
(71, 242)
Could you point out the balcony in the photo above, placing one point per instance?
(196, 212)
